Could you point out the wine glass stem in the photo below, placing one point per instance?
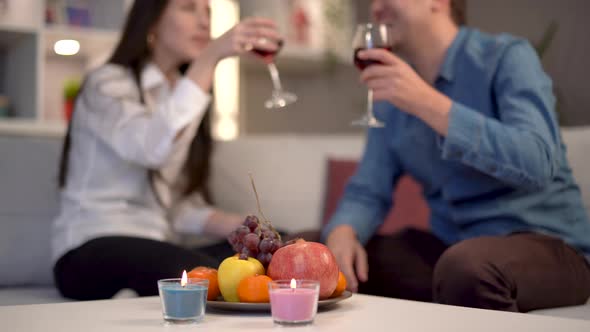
(370, 104)
(274, 76)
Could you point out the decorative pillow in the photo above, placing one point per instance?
(410, 208)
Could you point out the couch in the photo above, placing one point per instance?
(292, 177)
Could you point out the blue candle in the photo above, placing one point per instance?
(183, 303)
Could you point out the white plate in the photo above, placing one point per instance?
(243, 306)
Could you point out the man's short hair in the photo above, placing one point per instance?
(459, 11)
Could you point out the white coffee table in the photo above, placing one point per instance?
(359, 313)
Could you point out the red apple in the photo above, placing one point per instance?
(306, 260)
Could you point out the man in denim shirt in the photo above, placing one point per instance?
(471, 117)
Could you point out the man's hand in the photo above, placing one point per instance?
(398, 83)
(350, 255)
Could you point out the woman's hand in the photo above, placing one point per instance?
(259, 33)
(220, 223)
(251, 33)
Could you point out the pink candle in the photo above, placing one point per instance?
(294, 302)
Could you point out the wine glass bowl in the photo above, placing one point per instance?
(267, 55)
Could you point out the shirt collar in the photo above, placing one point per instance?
(447, 71)
(151, 77)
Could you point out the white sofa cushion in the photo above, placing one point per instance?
(578, 152)
(28, 203)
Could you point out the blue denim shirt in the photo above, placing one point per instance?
(502, 167)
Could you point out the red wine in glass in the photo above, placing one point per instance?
(363, 64)
(266, 55)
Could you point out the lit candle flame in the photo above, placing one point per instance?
(184, 279)
(293, 284)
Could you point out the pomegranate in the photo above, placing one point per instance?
(306, 260)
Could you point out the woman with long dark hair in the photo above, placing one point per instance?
(136, 156)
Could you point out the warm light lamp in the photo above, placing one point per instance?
(66, 47)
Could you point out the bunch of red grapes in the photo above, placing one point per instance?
(255, 239)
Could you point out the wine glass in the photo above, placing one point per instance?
(279, 97)
(370, 35)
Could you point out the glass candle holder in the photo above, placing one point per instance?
(294, 302)
(183, 304)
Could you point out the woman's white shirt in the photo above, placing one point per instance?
(115, 140)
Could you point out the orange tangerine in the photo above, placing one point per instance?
(254, 289)
(341, 286)
(203, 272)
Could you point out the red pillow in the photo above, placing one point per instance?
(410, 208)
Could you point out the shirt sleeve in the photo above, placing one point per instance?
(368, 195)
(520, 146)
(190, 215)
(136, 132)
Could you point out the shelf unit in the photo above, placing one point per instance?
(32, 76)
(19, 69)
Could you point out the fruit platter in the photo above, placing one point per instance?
(241, 282)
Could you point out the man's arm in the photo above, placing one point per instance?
(519, 147)
(368, 195)
(367, 200)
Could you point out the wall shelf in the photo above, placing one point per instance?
(93, 41)
(7, 27)
(19, 127)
